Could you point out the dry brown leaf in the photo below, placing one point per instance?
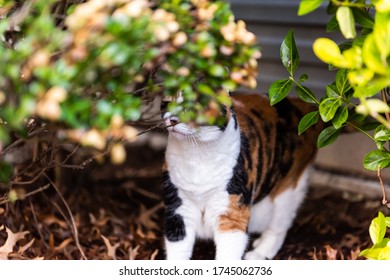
(331, 254)
(24, 248)
(350, 240)
(101, 221)
(355, 254)
(49, 220)
(133, 252)
(63, 245)
(154, 255)
(11, 241)
(147, 215)
(111, 249)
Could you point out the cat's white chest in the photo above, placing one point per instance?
(201, 169)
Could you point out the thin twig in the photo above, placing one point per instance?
(74, 226)
(384, 199)
(90, 160)
(41, 189)
(37, 224)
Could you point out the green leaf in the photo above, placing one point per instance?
(333, 25)
(6, 171)
(328, 108)
(307, 121)
(279, 90)
(327, 136)
(382, 134)
(332, 91)
(342, 82)
(217, 70)
(303, 78)
(306, 94)
(289, 53)
(307, 6)
(346, 22)
(375, 159)
(340, 117)
(378, 228)
(363, 18)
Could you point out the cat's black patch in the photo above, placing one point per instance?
(238, 183)
(284, 146)
(233, 116)
(174, 224)
(246, 150)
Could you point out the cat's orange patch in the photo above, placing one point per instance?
(237, 216)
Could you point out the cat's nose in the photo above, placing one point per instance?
(173, 121)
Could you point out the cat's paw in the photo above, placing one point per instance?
(253, 255)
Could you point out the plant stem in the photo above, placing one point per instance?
(349, 4)
(361, 130)
(307, 92)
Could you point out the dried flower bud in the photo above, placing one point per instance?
(179, 39)
(236, 76)
(225, 50)
(118, 154)
(48, 109)
(56, 94)
(136, 8)
(39, 59)
(183, 71)
(208, 51)
(116, 122)
(161, 33)
(129, 133)
(93, 138)
(2, 97)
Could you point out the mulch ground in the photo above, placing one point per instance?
(118, 213)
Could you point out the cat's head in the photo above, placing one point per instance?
(191, 132)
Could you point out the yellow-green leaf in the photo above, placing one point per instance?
(346, 22)
(307, 6)
(371, 106)
(328, 51)
(378, 228)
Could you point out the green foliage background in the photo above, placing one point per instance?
(79, 70)
(358, 97)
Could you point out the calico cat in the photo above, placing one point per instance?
(247, 176)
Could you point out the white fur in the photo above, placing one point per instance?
(279, 215)
(200, 164)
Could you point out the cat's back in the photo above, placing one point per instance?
(271, 142)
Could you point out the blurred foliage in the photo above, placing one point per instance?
(358, 97)
(81, 69)
(381, 248)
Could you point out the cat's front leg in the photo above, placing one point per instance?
(230, 245)
(231, 235)
(179, 238)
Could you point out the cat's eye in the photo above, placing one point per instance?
(164, 105)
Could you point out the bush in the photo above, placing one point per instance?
(362, 70)
(79, 72)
